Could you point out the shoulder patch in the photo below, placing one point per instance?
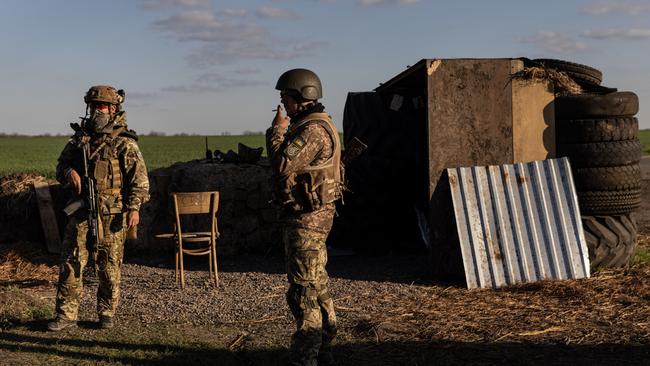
(294, 147)
(135, 155)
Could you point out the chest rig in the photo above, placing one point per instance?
(106, 171)
(314, 186)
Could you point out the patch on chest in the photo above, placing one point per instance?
(294, 147)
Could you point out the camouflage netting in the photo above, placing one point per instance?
(246, 218)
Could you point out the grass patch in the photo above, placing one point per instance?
(641, 255)
(644, 137)
(18, 306)
(38, 155)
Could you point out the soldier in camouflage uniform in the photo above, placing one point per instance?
(120, 176)
(304, 150)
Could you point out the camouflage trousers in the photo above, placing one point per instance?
(308, 296)
(74, 258)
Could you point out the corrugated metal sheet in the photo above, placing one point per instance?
(518, 223)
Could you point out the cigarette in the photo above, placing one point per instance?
(274, 110)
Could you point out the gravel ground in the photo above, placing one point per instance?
(250, 295)
(389, 313)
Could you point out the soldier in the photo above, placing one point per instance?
(305, 152)
(118, 172)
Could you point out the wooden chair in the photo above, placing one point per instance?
(193, 203)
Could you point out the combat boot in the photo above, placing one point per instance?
(105, 322)
(60, 324)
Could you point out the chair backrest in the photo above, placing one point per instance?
(188, 203)
(191, 203)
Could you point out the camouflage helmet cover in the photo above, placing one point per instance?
(304, 81)
(105, 94)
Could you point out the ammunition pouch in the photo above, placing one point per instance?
(305, 196)
(108, 179)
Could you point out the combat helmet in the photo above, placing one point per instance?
(105, 94)
(304, 81)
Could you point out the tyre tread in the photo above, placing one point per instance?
(610, 239)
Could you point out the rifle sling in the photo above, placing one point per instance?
(112, 135)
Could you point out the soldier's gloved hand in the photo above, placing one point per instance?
(280, 120)
(75, 180)
(132, 218)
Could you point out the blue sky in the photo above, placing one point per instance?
(207, 67)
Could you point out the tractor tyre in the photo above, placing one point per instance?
(611, 240)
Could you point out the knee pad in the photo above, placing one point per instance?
(301, 298)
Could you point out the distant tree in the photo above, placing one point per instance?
(252, 133)
(156, 133)
(225, 133)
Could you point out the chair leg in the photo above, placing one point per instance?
(180, 252)
(214, 258)
(176, 266)
(210, 263)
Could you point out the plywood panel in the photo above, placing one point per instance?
(470, 114)
(533, 120)
(48, 218)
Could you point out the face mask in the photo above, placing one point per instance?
(100, 122)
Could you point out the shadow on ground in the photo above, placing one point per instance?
(395, 267)
(21, 348)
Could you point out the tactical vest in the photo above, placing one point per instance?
(108, 179)
(313, 186)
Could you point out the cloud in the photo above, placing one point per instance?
(247, 71)
(203, 26)
(162, 4)
(633, 34)
(271, 12)
(231, 52)
(140, 96)
(231, 13)
(555, 42)
(616, 7)
(140, 99)
(368, 3)
(225, 41)
(213, 82)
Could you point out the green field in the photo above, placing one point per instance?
(644, 136)
(38, 154)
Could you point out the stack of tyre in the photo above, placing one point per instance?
(599, 134)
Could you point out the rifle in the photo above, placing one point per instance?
(352, 150)
(89, 196)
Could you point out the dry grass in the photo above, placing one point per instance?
(26, 263)
(563, 84)
(610, 308)
(18, 184)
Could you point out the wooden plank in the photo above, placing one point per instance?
(48, 218)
